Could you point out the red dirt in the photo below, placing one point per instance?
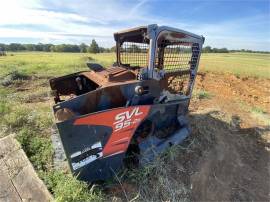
(255, 92)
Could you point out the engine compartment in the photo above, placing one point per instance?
(86, 81)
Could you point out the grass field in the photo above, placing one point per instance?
(25, 107)
(241, 64)
(50, 64)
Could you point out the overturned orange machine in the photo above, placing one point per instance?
(127, 114)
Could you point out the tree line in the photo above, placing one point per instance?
(209, 49)
(93, 47)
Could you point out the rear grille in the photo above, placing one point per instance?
(178, 56)
(134, 54)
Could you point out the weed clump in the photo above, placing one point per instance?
(202, 94)
(65, 187)
(29, 127)
(257, 110)
(157, 181)
(38, 149)
(19, 118)
(13, 77)
(4, 108)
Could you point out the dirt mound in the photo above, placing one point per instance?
(235, 166)
(228, 87)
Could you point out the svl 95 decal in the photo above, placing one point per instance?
(124, 122)
(127, 118)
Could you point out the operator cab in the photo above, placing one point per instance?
(163, 53)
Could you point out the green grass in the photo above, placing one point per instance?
(51, 64)
(201, 94)
(240, 64)
(66, 188)
(257, 110)
(258, 113)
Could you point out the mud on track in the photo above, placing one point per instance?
(226, 158)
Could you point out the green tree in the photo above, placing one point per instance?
(207, 49)
(93, 48)
(52, 48)
(83, 48)
(16, 47)
(223, 50)
(29, 47)
(113, 49)
(46, 47)
(134, 49)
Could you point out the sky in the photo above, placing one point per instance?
(234, 24)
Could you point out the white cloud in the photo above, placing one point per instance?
(79, 21)
(96, 18)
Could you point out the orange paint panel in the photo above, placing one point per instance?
(124, 122)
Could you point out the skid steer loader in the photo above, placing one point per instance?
(130, 112)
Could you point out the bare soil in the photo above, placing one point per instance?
(235, 167)
(227, 157)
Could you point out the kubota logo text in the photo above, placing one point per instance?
(128, 118)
